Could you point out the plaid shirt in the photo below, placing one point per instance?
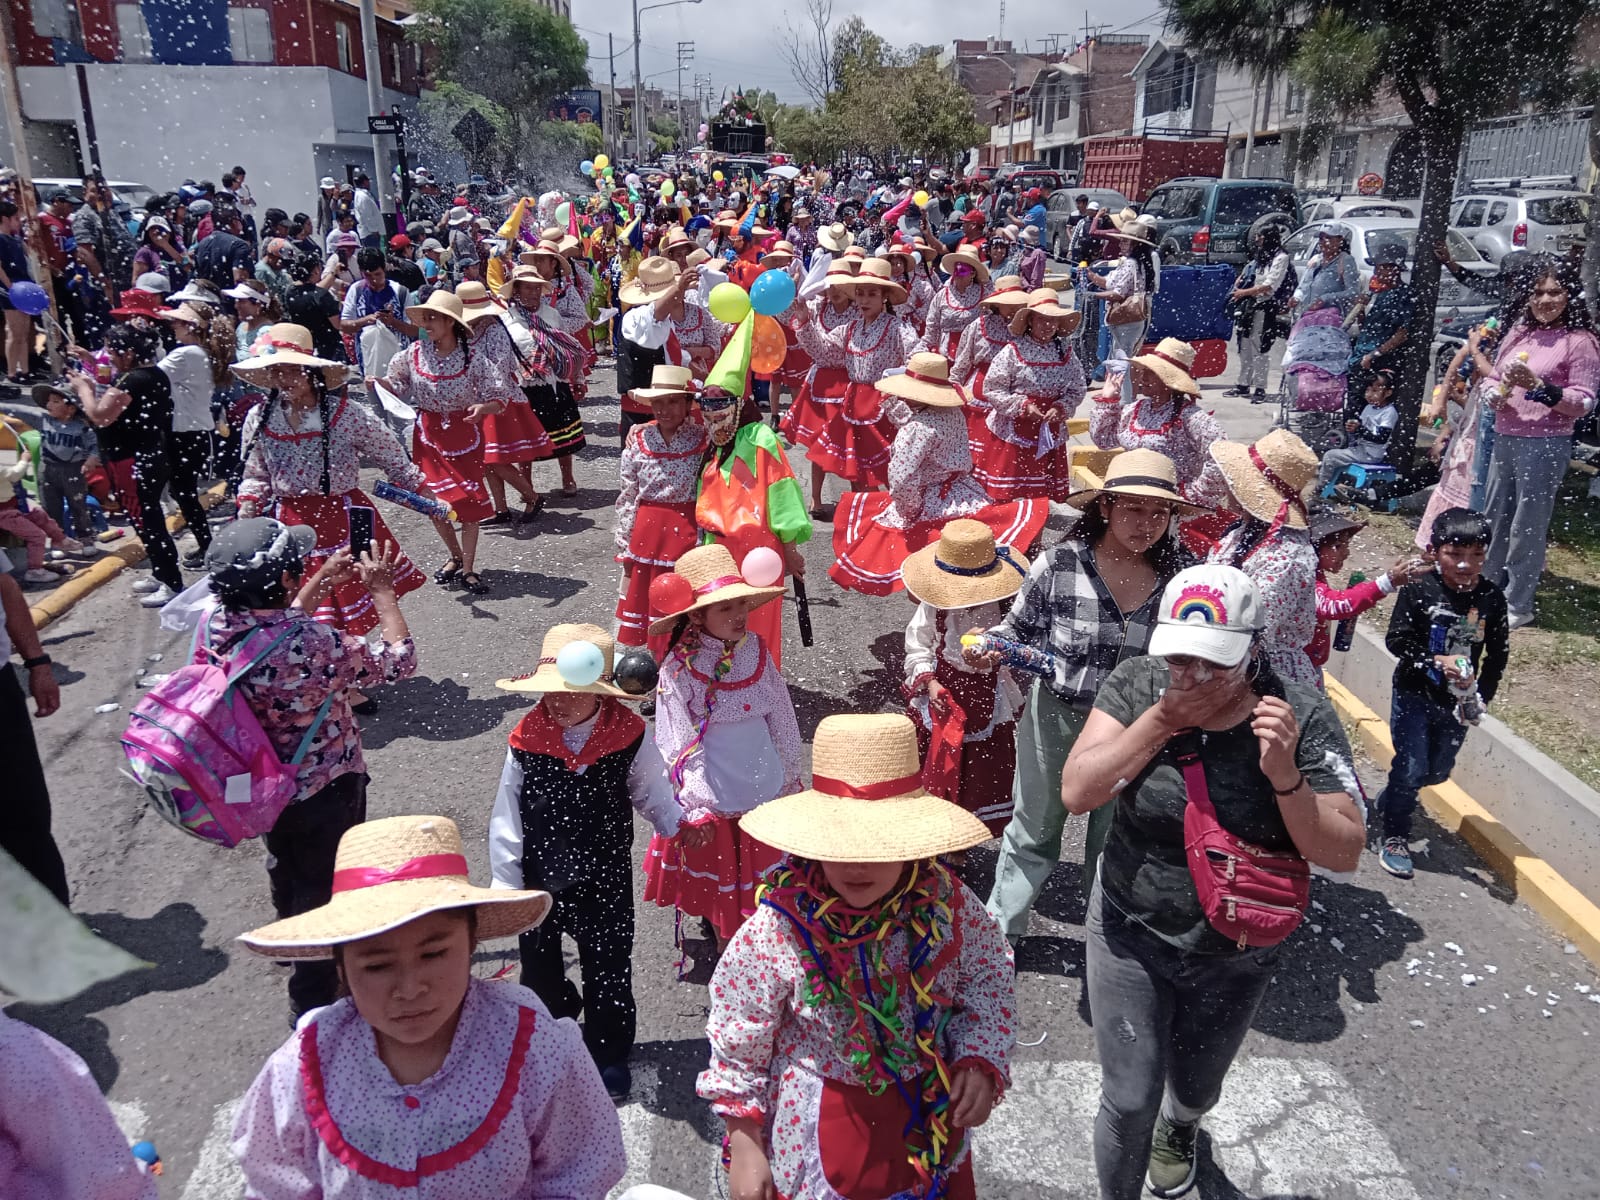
(1064, 606)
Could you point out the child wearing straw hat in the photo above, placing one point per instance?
(726, 728)
(1032, 386)
(577, 765)
(828, 379)
(930, 482)
(862, 1021)
(655, 297)
(966, 714)
(955, 305)
(661, 462)
(980, 342)
(422, 1078)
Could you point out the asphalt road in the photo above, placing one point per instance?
(1423, 1039)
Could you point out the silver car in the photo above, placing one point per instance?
(1498, 223)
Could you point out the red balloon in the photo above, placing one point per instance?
(670, 593)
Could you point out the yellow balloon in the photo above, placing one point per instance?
(920, 199)
(729, 303)
(667, 189)
(717, 175)
(601, 162)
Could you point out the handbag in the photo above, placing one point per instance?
(1132, 311)
(1252, 896)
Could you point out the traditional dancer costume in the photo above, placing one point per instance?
(828, 380)
(515, 434)
(446, 445)
(930, 482)
(980, 342)
(1029, 459)
(953, 308)
(552, 366)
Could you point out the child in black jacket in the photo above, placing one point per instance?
(1449, 628)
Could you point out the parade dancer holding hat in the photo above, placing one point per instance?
(725, 726)
(980, 342)
(303, 449)
(578, 765)
(657, 296)
(1032, 387)
(422, 1078)
(930, 482)
(862, 1021)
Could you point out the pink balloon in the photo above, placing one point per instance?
(762, 567)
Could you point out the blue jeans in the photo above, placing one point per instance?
(1481, 456)
(1427, 737)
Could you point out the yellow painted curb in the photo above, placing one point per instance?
(54, 605)
(1569, 911)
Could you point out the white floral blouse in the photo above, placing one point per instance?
(1031, 370)
(655, 471)
(285, 461)
(1183, 432)
(930, 467)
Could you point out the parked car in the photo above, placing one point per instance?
(129, 199)
(1062, 207)
(1204, 220)
(1498, 223)
(1336, 208)
(1022, 178)
(1456, 299)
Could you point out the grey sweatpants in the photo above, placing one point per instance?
(62, 484)
(1167, 1023)
(1523, 478)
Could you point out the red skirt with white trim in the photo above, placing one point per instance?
(868, 554)
(976, 411)
(796, 362)
(662, 533)
(449, 452)
(716, 881)
(349, 607)
(515, 435)
(817, 398)
(854, 443)
(1013, 472)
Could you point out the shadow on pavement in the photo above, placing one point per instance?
(435, 710)
(879, 691)
(1212, 1184)
(675, 1065)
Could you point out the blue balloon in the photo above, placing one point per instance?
(771, 293)
(29, 297)
(586, 166)
(580, 663)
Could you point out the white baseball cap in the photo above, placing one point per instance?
(1211, 612)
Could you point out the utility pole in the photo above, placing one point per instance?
(38, 265)
(638, 92)
(685, 54)
(613, 124)
(373, 62)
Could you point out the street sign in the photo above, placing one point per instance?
(387, 123)
(474, 132)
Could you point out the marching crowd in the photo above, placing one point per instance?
(1156, 670)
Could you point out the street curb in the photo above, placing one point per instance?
(56, 604)
(1569, 911)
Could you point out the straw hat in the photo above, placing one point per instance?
(667, 380)
(780, 255)
(529, 275)
(550, 250)
(476, 301)
(546, 676)
(712, 577)
(726, 219)
(291, 345)
(387, 873)
(1131, 224)
(676, 239)
(1045, 303)
(185, 312)
(926, 380)
(697, 256)
(964, 568)
(841, 274)
(444, 303)
(967, 255)
(1269, 479)
(866, 802)
(1134, 473)
(877, 272)
(903, 250)
(835, 238)
(1009, 292)
(855, 256)
(655, 278)
(1173, 362)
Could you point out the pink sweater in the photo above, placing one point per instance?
(1565, 358)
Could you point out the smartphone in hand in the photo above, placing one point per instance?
(361, 525)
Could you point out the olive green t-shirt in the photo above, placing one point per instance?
(1144, 871)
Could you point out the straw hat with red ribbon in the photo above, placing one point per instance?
(388, 873)
(968, 256)
(866, 802)
(476, 301)
(781, 254)
(876, 272)
(926, 380)
(549, 251)
(704, 576)
(1009, 293)
(1172, 361)
(286, 345)
(1269, 478)
(1046, 303)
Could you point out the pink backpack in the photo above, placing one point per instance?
(196, 748)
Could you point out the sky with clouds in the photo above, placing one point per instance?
(737, 42)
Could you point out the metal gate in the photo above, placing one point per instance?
(1540, 144)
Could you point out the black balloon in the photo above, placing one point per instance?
(636, 672)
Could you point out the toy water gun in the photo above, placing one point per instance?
(1469, 705)
(145, 1152)
(1489, 329)
(426, 505)
(1013, 654)
(1505, 388)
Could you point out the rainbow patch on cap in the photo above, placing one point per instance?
(1197, 602)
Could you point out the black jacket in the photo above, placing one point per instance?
(1431, 618)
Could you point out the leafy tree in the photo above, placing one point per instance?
(1449, 68)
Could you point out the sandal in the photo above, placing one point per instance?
(503, 517)
(530, 511)
(569, 489)
(448, 574)
(473, 582)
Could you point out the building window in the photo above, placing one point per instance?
(250, 34)
(1294, 99)
(1342, 159)
(394, 63)
(342, 36)
(1171, 87)
(133, 34)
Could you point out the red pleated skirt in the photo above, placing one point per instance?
(854, 443)
(515, 435)
(349, 607)
(868, 555)
(449, 452)
(816, 399)
(796, 362)
(716, 881)
(662, 533)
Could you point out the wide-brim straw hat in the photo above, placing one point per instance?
(713, 577)
(903, 250)
(1130, 223)
(446, 304)
(866, 802)
(1146, 473)
(1269, 478)
(187, 313)
(655, 278)
(287, 345)
(926, 380)
(546, 676)
(835, 237)
(476, 300)
(1046, 303)
(1172, 361)
(781, 254)
(964, 568)
(388, 873)
(528, 275)
(967, 255)
(549, 250)
(667, 380)
(726, 219)
(841, 274)
(876, 272)
(1009, 291)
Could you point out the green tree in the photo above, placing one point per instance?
(1448, 67)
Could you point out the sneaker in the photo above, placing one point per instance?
(157, 598)
(1237, 392)
(618, 1078)
(1260, 396)
(1395, 857)
(40, 575)
(142, 587)
(73, 546)
(1517, 620)
(194, 560)
(1173, 1164)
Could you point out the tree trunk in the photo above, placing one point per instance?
(1442, 133)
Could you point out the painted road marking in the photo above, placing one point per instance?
(216, 1174)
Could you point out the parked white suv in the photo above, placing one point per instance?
(1498, 223)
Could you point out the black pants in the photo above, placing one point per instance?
(300, 853)
(25, 815)
(190, 454)
(151, 472)
(598, 915)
